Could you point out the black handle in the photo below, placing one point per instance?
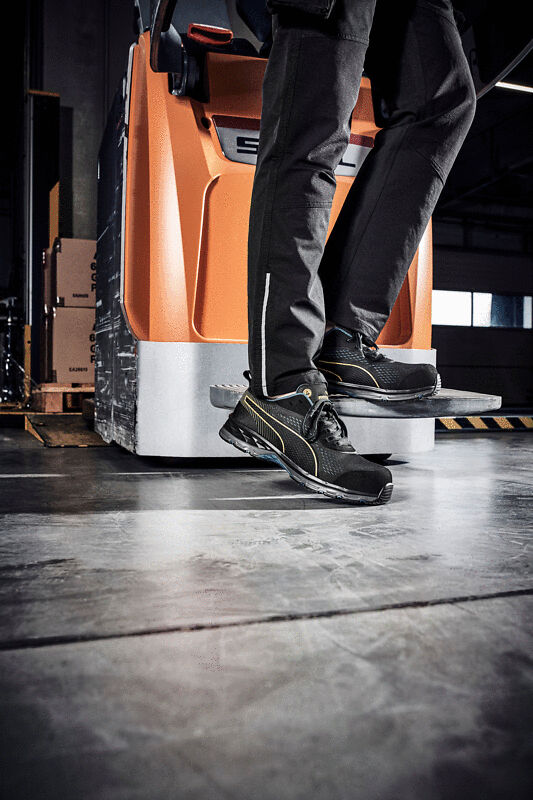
(165, 41)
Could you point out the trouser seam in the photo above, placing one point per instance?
(421, 69)
(344, 36)
(433, 164)
(304, 205)
(432, 10)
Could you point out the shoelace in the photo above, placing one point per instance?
(368, 346)
(322, 417)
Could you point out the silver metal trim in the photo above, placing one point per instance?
(447, 403)
(127, 98)
(174, 415)
(28, 210)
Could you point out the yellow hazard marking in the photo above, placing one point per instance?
(451, 424)
(478, 423)
(503, 423)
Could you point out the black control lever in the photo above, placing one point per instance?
(167, 51)
(166, 47)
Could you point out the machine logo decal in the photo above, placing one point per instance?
(239, 140)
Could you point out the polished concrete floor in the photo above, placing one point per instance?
(178, 630)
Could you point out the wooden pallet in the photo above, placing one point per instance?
(62, 430)
(58, 398)
(87, 410)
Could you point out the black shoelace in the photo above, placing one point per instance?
(368, 346)
(322, 418)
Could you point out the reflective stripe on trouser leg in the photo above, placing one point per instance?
(263, 338)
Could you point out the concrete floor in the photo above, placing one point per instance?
(181, 631)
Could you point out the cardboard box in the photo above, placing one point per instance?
(73, 273)
(72, 345)
(46, 317)
(48, 280)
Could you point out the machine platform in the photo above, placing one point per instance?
(447, 403)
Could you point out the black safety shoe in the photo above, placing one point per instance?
(303, 433)
(353, 365)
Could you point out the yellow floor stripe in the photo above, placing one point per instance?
(478, 423)
(451, 424)
(509, 423)
(503, 423)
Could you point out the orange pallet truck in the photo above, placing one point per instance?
(176, 168)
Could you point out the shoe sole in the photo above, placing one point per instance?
(253, 444)
(369, 393)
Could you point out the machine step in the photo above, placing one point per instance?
(447, 403)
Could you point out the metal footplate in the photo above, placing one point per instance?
(446, 403)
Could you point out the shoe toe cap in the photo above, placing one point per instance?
(368, 481)
(419, 376)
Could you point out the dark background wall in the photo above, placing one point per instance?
(79, 51)
(483, 234)
(85, 50)
(84, 54)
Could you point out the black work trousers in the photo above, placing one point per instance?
(424, 102)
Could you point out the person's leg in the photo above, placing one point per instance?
(424, 101)
(309, 92)
(310, 88)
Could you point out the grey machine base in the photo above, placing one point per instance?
(447, 403)
(168, 399)
(386, 427)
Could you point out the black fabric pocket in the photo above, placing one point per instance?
(320, 8)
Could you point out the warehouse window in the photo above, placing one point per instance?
(451, 308)
(481, 309)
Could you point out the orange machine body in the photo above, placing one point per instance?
(187, 209)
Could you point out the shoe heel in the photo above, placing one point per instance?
(243, 440)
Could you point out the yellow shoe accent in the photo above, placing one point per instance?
(248, 400)
(251, 410)
(323, 369)
(343, 364)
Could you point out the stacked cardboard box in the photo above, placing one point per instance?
(68, 330)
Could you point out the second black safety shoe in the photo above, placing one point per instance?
(303, 433)
(353, 365)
